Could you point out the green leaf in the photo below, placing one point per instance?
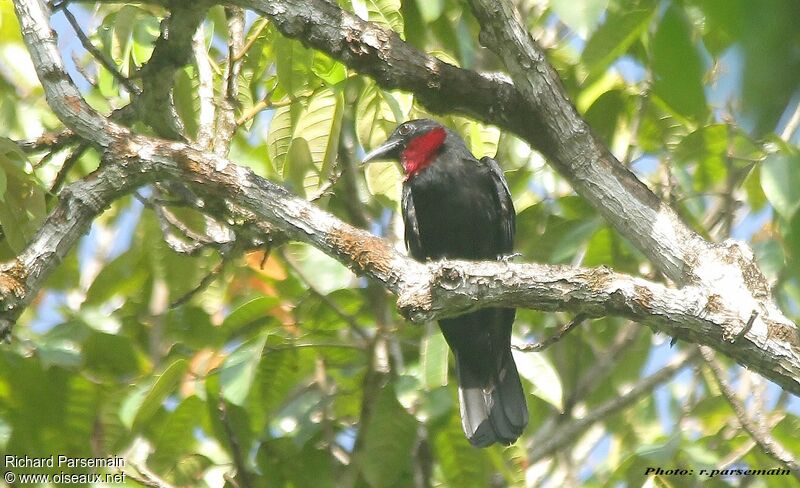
(280, 136)
(613, 38)
(22, 203)
(377, 114)
(385, 459)
(385, 13)
(143, 404)
(537, 369)
(433, 358)
(384, 179)
(482, 140)
(462, 465)
(110, 356)
(279, 372)
(780, 179)
(123, 276)
(250, 312)
(175, 434)
(319, 126)
(303, 140)
(298, 164)
(239, 369)
(328, 69)
(80, 410)
(293, 63)
(677, 66)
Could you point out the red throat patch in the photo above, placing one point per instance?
(419, 153)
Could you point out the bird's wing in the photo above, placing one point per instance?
(507, 213)
(412, 236)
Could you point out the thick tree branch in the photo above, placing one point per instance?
(173, 50)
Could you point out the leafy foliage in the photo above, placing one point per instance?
(290, 369)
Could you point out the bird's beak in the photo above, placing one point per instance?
(384, 151)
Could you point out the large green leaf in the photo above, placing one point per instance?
(677, 67)
(239, 369)
(613, 38)
(377, 114)
(251, 312)
(146, 400)
(293, 62)
(461, 464)
(383, 12)
(110, 355)
(433, 358)
(280, 135)
(780, 179)
(386, 457)
(174, 434)
(303, 140)
(537, 369)
(430, 10)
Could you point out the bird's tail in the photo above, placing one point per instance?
(492, 409)
(490, 394)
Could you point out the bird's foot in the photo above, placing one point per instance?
(507, 258)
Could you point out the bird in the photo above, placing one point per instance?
(455, 206)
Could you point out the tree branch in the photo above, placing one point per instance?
(173, 50)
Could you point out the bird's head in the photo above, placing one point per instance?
(414, 143)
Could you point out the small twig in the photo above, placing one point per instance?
(251, 40)
(265, 257)
(99, 56)
(236, 451)
(768, 444)
(263, 104)
(747, 326)
(542, 345)
(49, 141)
(204, 283)
(73, 158)
(46, 158)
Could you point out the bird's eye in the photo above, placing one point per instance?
(404, 130)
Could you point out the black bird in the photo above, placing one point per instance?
(456, 206)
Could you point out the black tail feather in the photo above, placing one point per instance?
(493, 407)
(492, 411)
